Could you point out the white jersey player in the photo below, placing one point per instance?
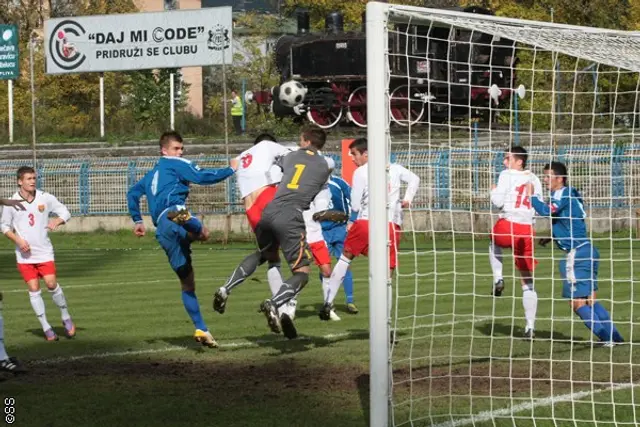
(29, 230)
(357, 242)
(515, 229)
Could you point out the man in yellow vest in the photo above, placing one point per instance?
(236, 112)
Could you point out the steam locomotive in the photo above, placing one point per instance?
(437, 70)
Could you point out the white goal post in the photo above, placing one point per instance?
(564, 93)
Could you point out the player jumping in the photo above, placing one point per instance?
(305, 172)
(515, 230)
(166, 187)
(579, 270)
(29, 230)
(357, 242)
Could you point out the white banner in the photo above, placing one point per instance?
(138, 41)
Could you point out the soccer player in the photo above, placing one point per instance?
(28, 230)
(166, 187)
(579, 270)
(257, 177)
(8, 364)
(335, 232)
(282, 225)
(515, 230)
(357, 242)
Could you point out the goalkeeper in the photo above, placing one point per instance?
(334, 229)
(579, 270)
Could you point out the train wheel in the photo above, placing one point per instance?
(403, 112)
(323, 110)
(357, 107)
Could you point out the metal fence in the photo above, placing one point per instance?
(456, 179)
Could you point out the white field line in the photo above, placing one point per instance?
(92, 285)
(223, 345)
(486, 416)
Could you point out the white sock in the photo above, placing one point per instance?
(325, 288)
(60, 301)
(3, 351)
(275, 279)
(289, 309)
(530, 304)
(38, 307)
(495, 259)
(337, 276)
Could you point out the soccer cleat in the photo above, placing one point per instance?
(529, 334)
(288, 328)
(69, 328)
(325, 312)
(180, 216)
(498, 287)
(352, 309)
(271, 313)
(220, 300)
(205, 338)
(333, 316)
(12, 365)
(50, 335)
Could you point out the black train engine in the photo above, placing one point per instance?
(436, 71)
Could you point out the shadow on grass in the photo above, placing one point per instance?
(501, 329)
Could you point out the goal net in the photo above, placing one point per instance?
(447, 93)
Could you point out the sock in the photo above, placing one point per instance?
(289, 308)
(325, 287)
(60, 301)
(337, 275)
(495, 259)
(190, 302)
(605, 318)
(592, 321)
(244, 270)
(347, 285)
(530, 304)
(290, 288)
(38, 307)
(3, 351)
(274, 278)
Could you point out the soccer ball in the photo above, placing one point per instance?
(292, 93)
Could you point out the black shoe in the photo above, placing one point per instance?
(220, 300)
(12, 365)
(529, 334)
(288, 328)
(498, 287)
(271, 313)
(325, 311)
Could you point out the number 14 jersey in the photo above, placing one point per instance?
(511, 195)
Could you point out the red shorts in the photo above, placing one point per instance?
(357, 241)
(508, 234)
(35, 271)
(254, 214)
(320, 252)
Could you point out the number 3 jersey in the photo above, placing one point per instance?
(511, 195)
(256, 167)
(31, 225)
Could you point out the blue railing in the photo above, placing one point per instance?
(456, 179)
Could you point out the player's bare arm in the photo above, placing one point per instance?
(139, 229)
(21, 243)
(16, 204)
(54, 223)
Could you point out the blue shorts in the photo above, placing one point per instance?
(579, 272)
(174, 239)
(335, 238)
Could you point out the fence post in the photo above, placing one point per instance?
(443, 180)
(617, 177)
(83, 188)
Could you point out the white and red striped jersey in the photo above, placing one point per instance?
(31, 225)
(256, 167)
(397, 175)
(512, 197)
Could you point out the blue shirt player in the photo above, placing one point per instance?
(166, 188)
(579, 269)
(335, 233)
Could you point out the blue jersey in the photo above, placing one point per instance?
(567, 217)
(167, 185)
(340, 200)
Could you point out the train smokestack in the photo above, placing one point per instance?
(334, 23)
(303, 21)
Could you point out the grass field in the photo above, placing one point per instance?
(134, 362)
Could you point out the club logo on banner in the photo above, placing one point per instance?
(64, 53)
(138, 41)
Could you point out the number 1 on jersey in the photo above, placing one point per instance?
(523, 197)
(293, 184)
